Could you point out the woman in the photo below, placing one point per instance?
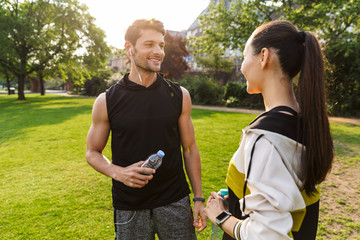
(285, 152)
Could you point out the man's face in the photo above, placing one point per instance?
(149, 51)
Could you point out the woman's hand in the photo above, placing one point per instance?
(214, 206)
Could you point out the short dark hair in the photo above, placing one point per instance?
(134, 30)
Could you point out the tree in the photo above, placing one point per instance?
(98, 83)
(174, 64)
(224, 27)
(343, 57)
(335, 22)
(217, 66)
(34, 35)
(8, 77)
(73, 71)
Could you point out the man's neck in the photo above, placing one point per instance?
(142, 78)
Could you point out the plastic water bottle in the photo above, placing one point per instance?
(153, 161)
(216, 232)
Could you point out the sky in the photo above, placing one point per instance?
(114, 16)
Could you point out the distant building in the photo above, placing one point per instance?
(119, 63)
(175, 33)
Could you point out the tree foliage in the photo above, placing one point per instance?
(174, 64)
(203, 89)
(336, 23)
(38, 35)
(220, 68)
(236, 96)
(8, 77)
(98, 83)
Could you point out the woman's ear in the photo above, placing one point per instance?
(265, 57)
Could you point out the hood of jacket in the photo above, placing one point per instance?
(289, 150)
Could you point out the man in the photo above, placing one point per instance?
(147, 113)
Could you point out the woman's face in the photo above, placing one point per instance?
(251, 68)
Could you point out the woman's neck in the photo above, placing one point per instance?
(279, 92)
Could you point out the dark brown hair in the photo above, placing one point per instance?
(134, 31)
(299, 51)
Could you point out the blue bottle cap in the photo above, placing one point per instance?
(224, 192)
(160, 153)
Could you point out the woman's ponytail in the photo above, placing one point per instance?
(319, 153)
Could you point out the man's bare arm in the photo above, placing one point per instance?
(96, 142)
(192, 158)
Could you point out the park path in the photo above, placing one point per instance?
(355, 121)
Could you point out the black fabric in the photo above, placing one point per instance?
(143, 121)
(234, 209)
(308, 227)
(288, 124)
(275, 120)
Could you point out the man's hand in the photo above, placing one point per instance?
(200, 218)
(131, 175)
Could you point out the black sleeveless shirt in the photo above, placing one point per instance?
(143, 121)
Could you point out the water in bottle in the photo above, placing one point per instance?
(216, 232)
(153, 161)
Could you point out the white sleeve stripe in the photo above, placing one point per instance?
(237, 230)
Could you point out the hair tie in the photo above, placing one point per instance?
(301, 36)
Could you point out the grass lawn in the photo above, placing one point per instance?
(48, 191)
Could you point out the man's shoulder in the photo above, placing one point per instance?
(101, 99)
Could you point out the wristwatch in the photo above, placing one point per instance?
(221, 218)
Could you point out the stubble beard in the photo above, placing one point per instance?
(146, 67)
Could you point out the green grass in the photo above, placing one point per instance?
(48, 191)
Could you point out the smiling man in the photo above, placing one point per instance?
(146, 113)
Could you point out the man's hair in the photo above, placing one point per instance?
(134, 31)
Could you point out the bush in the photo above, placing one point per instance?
(203, 89)
(237, 96)
(98, 83)
(95, 86)
(343, 70)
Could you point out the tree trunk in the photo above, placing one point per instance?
(22, 75)
(21, 86)
(41, 78)
(8, 84)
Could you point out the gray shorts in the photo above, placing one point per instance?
(174, 221)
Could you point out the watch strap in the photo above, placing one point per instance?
(198, 199)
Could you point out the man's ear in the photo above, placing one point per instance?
(265, 57)
(128, 47)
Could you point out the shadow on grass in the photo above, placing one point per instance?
(17, 116)
(201, 113)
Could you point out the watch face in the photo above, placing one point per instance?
(222, 215)
(222, 218)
